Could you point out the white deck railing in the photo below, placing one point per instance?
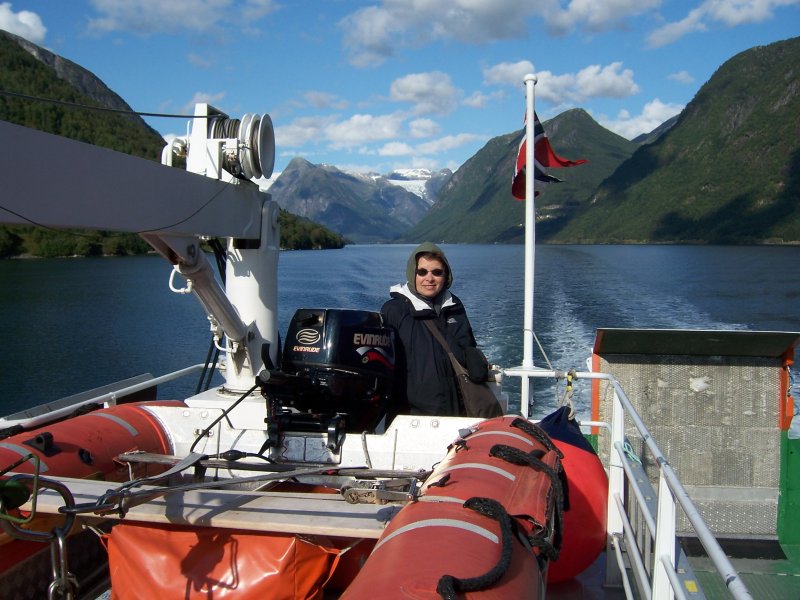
(648, 540)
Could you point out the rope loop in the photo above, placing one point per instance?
(449, 585)
(558, 482)
(536, 433)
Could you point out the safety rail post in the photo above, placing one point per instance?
(664, 550)
(616, 489)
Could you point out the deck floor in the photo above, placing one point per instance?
(589, 585)
(767, 579)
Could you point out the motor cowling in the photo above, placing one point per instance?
(337, 361)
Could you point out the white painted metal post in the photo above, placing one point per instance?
(616, 488)
(251, 284)
(665, 541)
(530, 241)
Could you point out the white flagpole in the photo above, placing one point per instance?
(530, 241)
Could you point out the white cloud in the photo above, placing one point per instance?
(674, 31)
(157, 16)
(395, 149)
(363, 129)
(595, 15)
(558, 89)
(373, 34)
(368, 35)
(24, 23)
(356, 133)
(431, 92)
(653, 114)
(324, 100)
(448, 142)
(302, 131)
(681, 77)
(255, 9)
(423, 128)
(203, 97)
(593, 81)
(730, 13)
(741, 12)
(506, 73)
(480, 100)
(611, 81)
(199, 61)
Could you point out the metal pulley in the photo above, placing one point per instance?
(257, 145)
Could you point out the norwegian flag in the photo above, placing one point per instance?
(543, 156)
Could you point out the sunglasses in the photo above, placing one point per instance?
(434, 272)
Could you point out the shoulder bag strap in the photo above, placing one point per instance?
(457, 366)
(438, 335)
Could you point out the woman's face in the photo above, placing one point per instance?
(430, 285)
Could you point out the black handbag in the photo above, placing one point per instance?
(479, 399)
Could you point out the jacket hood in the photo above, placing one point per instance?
(411, 265)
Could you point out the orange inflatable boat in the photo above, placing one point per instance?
(486, 523)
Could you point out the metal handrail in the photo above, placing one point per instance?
(678, 493)
(111, 397)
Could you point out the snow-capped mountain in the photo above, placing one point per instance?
(421, 182)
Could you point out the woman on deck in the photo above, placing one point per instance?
(425, 382)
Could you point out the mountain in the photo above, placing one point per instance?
(362, 208)
(727, 172)
(27, 69)
(649, 138)
(476, 203)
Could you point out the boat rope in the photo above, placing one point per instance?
(630, 453)
(515, 456)
(449, 585)
(122, 499)
(365, 449)
(536, 433)
(14, 494)
(566, 399)
(224, 414)
(441, 482)
(541, 349)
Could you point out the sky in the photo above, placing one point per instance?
(377, 85)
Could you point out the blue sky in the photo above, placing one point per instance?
(383, 84)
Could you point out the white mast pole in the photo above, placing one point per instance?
(530, 241)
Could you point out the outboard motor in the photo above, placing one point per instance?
(336, 365)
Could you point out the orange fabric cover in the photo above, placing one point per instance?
(151, 561)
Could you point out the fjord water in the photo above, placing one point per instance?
(72, 324)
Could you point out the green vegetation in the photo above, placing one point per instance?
(298, 233)
(22, 73)
(51, 243)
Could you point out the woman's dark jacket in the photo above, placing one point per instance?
(429, 386)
